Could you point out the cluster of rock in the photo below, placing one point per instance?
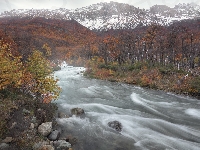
(36, 127)
(54, 140)
(45, 129)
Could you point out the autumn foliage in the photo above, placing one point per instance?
(152, 56)
(32, 77)
(41, 80)
(10, 67)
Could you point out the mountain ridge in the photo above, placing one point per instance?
(114, 15)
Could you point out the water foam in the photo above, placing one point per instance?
(193, 112)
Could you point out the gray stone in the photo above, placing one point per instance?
(7, 140)
(62, 115)
(34, 119)
(115, 125)
(32, 126)
(54, 135)
(56, 144)
(4, 146)
(45, 128)
(77, 111)
(62, 144)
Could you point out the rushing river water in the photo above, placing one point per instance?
(151, 120)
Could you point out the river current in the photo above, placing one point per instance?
(151, 120)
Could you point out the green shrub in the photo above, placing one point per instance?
(165, 70)
(109, 67)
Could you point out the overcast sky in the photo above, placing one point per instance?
(6, 5)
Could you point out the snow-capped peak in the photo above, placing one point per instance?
(103, 16)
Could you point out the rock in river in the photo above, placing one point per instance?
(77, 111)
(115, 125)
(62, 115)
(54, 135)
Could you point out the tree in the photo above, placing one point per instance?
(10, 67)
(150, 41)
(40, 79)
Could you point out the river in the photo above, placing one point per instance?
(151, 120)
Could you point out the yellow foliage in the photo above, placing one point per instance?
(40, 79)
(10, 68)
(34, 77)
(38, 65)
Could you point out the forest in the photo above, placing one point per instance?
(177, 44)
(145, 55)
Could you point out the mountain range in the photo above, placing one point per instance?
(113, 15)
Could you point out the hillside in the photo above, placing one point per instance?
(113, 15)
(59, 35)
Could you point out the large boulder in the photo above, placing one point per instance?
(45, 128)
(77, 111)
(54, 135)
(115, 125)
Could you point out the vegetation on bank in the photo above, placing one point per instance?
(167, 78)
(25, 86)
(17, 112)
(33, 76)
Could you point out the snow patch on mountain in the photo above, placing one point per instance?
(113, 15)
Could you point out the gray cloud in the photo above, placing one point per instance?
(72, 4)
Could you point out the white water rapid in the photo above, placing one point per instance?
(151, 120)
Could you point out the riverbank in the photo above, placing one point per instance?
(26, 123)
(20, 117)
(166, 78)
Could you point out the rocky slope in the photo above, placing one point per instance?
(113, 15)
